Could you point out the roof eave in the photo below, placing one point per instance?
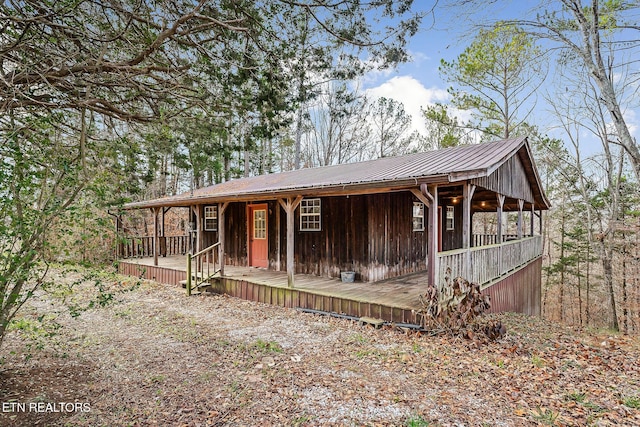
(324, 190)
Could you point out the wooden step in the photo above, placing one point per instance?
(377, 323)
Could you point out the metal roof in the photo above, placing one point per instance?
(439, 166)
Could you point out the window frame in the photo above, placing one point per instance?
(206, 218)
(309, 218)
(450, 218)
(414, 216)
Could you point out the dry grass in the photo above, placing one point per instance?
(155, 357)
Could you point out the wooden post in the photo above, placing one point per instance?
(119, 237)
(431, 193)
(531, 219)
(540, 220)
(467, 196)
(188, 274)
(499, 219)
(499, 231)
(278, 243)
(290, 207)
(520, 225)
(155, 235)
(198, 212)
(222, 207)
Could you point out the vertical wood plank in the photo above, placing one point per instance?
(155, 235)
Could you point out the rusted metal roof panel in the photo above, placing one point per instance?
(447, 165)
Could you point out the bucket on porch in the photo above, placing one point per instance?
(347, 276)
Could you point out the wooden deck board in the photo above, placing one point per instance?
(401, 292)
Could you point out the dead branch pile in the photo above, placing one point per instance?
(455, 308)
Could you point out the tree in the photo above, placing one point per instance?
(443, 129)
(603, 38)
(77, 69)
(498, 74)
(338, 129)
(391, 128)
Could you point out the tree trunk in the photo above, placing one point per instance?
(607, 269)
(625, 309)
(587, 312)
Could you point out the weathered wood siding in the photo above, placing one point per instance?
(169, 276)
(369, 234)
(235, 234)
(451, 239)
(519, 292)
(393, 247)
(510, 179)
(297, 298)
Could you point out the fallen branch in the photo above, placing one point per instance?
(455, 308)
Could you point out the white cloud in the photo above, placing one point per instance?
(631, 118)
(412, 94)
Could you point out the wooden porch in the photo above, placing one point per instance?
(394, 300)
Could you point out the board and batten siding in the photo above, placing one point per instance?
(369, 234)
(510, 179)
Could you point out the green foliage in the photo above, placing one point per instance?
(443, 129)
(545, 416)
(497, 74)
(632, 402)
(417, 421)
(268, 346)
(108, 102)
(391, 128)
(74, 290)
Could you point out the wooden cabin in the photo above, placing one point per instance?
(381, 219)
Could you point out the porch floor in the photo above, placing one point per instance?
(400, 292)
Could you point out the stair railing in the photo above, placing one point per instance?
(207, 265)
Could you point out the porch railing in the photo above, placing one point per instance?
(142, 246)
(207, 265)
(488, 263)
(492, 239)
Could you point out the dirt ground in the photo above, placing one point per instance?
(154, 357)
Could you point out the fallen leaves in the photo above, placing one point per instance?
(215, 360)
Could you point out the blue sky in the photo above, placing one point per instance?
(418, 83)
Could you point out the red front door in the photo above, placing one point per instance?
(258, 236)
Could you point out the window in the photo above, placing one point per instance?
(211, 218)
(310, 215)
(450, 218)
(418, 216)
(260, 224)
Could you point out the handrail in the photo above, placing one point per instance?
(206, 250)
(143, 246)
(485, 264)
(202, 258)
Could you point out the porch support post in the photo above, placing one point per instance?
(193, 240)
(290, 207)
(278, 243)
(119, 237)
(500, 198)
(156, 227)
(467, 196)
(520, 225)
(540, 222)
(531, 226)
(222, 208)
(431, 193)
(198, 228)
(162, 211)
